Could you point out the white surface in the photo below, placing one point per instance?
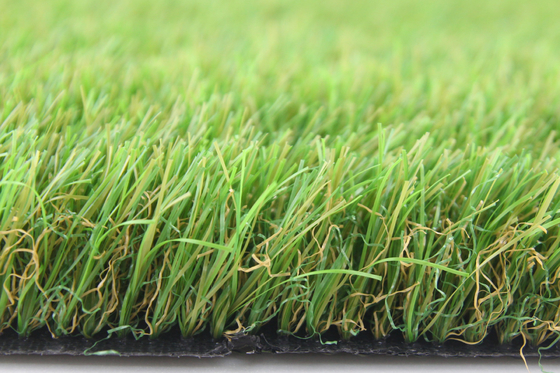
(269, 364)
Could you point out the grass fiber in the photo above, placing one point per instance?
(366, 166)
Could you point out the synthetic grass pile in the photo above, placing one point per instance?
(216, 166)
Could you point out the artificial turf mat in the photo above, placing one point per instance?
(215, 168)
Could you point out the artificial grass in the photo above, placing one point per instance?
(215, 166)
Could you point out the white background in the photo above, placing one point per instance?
(270, 363)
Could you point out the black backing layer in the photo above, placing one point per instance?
(173, 345)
